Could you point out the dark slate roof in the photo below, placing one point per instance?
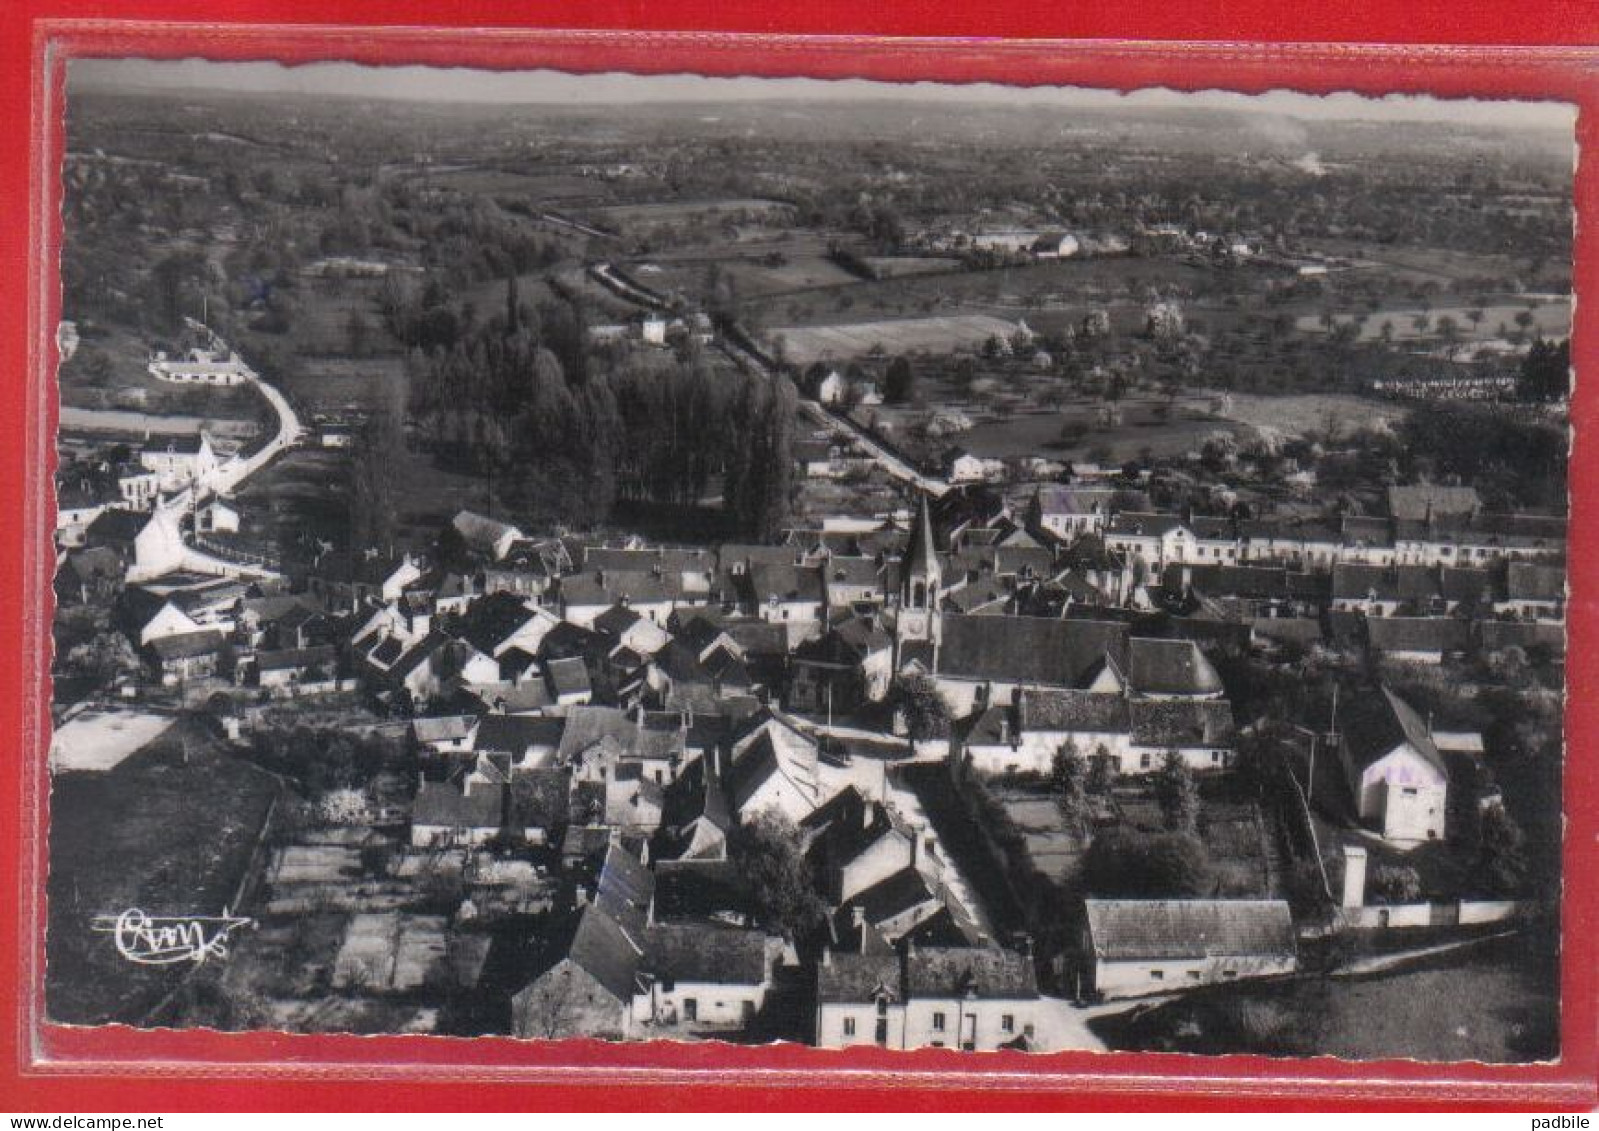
(1372, 725)
(569, 676)
(489, 621)
(1532, 582)
(115, 527)
(513, 734)
(957, 972)
(1428, 500)
(616, 620)
(703, 952)
(445, 804)
(626, 888)
(1497, 634)
(1179, 723)
(1072, 710)
(1359, 530)
(1457, 583)
(784, 583)
(893, 895)
(186, 644)
(608, 951)
(1056, 653)
(1417, 634)
(1153, 929)
(1357, 582)
(1142, 523)
(290, 659)
(858, 977)
(1170, 667)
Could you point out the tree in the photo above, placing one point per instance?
(768, 853)
(373, 508)
(1101, 771)
(917, 700)
(1177, 793)
(1123, 864)
(899, 382)
(1545, 371)
(1068, 781)
(1395, 883)
(1502, 855)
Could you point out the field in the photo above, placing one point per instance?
(1297, 414)
(1550, 319)
(1039, 292)
(658, 214)
(1039, 434)
(537, 186)
(169, 831)
(842, 341)
(898, 266)
(1485, 1005)
(334, 384)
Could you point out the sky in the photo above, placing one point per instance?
(440, 84)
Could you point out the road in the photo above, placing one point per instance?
(894, 465)
(290, 430)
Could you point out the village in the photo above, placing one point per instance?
(1074, 741)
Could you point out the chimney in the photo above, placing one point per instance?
(827, 956)
(1354, 894)
(1004, 728)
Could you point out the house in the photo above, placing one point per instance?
(852, 581)
(842, 669)
(1155, 539)
(486, 536)
(446, 814)
(783, 594)
(180, 460)
(158, 547)
(529, 741)
(1418, 640)
(984, 660)
(701, 976)
(281, 668)
(186, 656)
(1534, 592)
(1396, 775)
(962, 466)
(1056, 245)
(349, 580)
(1170, 669)
(1023, 737)
(587, 984)
(447, 734)
(773, 766)
(627, 627)
(973, 998)
(1132, 947)
(1068, 512)
(568, 681)
(1426, 502)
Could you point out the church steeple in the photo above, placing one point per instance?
(921, 581)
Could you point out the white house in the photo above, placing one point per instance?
(973, 998)
(702, 976)
(1396, 774)
(1131, 947)
(179, 461)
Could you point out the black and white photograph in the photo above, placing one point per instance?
(675, 558)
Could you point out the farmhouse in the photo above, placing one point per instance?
(940, 997)
(1135, 946)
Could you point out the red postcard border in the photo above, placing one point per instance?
(115, 1067)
